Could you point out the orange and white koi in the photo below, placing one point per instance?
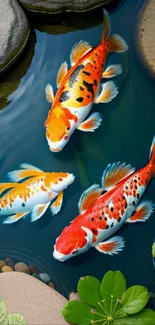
(33, 195)
(102, 214)
(79, 88)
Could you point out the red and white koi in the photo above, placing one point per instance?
(102, 214)
(33, 195)
(79, 88)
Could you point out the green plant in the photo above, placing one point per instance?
(109, 303)
(9, 319)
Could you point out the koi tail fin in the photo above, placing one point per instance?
(152, 155)
(116, 43)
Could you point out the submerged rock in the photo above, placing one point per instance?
(14, 32)
(45, 277)
(2, 263)
(21, 267)
(7, 268)
(9, 262)
(54, 6)
(145, 40)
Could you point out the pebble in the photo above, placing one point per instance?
(51, 284)
(2, 263)
(36, 275)
(33, 269)
(9, 262)
(45, 277)
(21, 267)
(7, 268)
(74, 296)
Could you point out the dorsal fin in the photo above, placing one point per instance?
(88, 197)
(28, 171)
(6, 186)
(30, 167)
(61, 73)
(78, 50)
(114, 173)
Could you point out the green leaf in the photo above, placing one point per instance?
(113, 284)
(134, 299)
(77, 312)
(145, 317)
(3, 311)
(89, 290)
(16, 319)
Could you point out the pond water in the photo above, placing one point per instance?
(125, 135)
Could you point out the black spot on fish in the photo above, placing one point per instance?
(89, 87)
(79, 99)
(135, 180)
(112, 209)
(112, 225)
(95, 83)
(119, 219)
(136, 187)
(100, 218)
(95, 68)
(105, 218)
(137, 195)
(86, 73)
(148, 173)
(64, 96)
(96, 54)
(81, 88)
(94, 61)
(125, 205)
(133, 203)
(88, 96)
(123, 197)
(107, 226)
(23, 204)
(73, 77)
(126, 187)
(92, 219)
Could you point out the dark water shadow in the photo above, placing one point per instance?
(11, 79)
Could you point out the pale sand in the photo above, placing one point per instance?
(37, 302)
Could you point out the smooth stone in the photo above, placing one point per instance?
(33, 269)
(14, 32)
(51, 284)
(145, 40)
(2, 263)
(38, 303)
(54, 6)
(21, 267)
(9, 262)
(74, 296)
(36, 275)
(45, 277)
(7, 268)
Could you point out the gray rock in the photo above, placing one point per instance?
(54, 6)
(14, 32)
(45, 277)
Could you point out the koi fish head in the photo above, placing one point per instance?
(59, 128)
(58, 182)
(72, 242)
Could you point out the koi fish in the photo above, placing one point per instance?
(79, 88)
(102, 214)
(34, 195)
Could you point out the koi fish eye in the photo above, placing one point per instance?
(67, 128)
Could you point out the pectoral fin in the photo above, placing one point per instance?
(49, 93)
(88, 197)
(56, 206)
(142, 213)
(112, 71)
(91, 124)
(111, 246)
(14, 218)
(61, 73)
(108, 92)
(79, 49)
(38, 211)
(6, 186)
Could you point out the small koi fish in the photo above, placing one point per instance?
(34, 194)
(103, 213)
(79, 88)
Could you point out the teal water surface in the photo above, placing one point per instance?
(125, 135)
